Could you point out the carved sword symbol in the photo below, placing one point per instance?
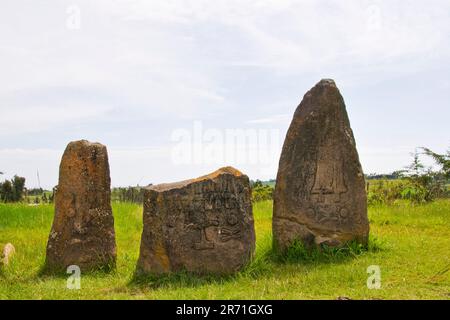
(205, 243)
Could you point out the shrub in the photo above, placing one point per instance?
(384, 191)
(261, 192)
(12, 190)
(130, 194)
(418, 184)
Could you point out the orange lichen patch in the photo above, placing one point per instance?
(162, 258)
(85, 143)
(177, 185)
(215, 174)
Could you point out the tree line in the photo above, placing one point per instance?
(415, 183)
(12, 190)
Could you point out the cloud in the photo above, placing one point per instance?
(301, 35)
(170, 56)
(27, 162)
(129, 166)
(138, 69)
(28, 119)
(284, 118)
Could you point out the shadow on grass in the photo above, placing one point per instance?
(271, 261)
(266, 264)
(297, 253)
(61, 273)
(182, 279)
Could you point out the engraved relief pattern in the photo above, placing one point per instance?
(204, 224)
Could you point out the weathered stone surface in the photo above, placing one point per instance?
(83, 228)
(8, 252)
(203, 225)
(320, 195)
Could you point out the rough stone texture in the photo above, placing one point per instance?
(83, 228)
(320, 195)
(203, 225)
(7, 253)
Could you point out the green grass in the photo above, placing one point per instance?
(411, 244)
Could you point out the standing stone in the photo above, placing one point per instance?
(83, 228)
(320, 195)
(203, 225)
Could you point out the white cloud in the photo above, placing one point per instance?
(284, 118)
(27, 119)
(129, 166)
(235, 62)
(294, 34)
(27, 163)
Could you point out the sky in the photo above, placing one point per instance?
(177, 89)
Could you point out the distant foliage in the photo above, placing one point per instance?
(442, 160)
(384, 191)
(39, 195)
(261, 191)
(426, 185)
(129, 194)
(35, 192)
(12, 190)
(417, 184)
(390, 176)
(6, 191)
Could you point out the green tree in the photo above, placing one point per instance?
(18, 184)
(12, 190)
(442, 160)
(51, 197)
(256, 184)
(261, 191)
(425, 184)
(415, 169)
(6, 191)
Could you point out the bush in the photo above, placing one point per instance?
(130, 194)
(261, 192)
(418, 185)
(384, 191)
(12, 190)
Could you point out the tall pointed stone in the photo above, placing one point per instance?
(320, 195)
(83, 227)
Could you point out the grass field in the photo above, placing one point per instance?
(410, 244)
